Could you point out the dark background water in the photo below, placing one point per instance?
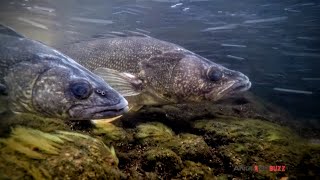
(275, 43)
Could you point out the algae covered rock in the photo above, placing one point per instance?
(154, 132)
(248, 142)
(32, 154)
(34, 121)
(310, 163)
(187, 146)
(195, 171)
(109, 132)
(162, 161)
(190, 147)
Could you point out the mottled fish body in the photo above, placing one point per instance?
(41, 80)
(148, 71)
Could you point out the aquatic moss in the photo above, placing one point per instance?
(252, 141)
(162, 161)
(194, 170)
(187, 146)
(65, 155)
(154, 131)
(29, 142)
(109, 131)
(310, 163)
(190, 147)
(36, 172)
(36, 122)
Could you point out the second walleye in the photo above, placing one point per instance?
(148, 71)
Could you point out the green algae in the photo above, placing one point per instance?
(109, 131)
(36, 172)
(33, 154)
(162, 161)
(36, 122)
(29, 142)
(154, 131)
(195, 171)
(187, 146)
(251, 141)
(190, 147)
(211, 150)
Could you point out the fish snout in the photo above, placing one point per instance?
(110, 97)
(105, 103)
(242, 82)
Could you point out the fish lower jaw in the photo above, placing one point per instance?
(240, 87)
(97, 112)
(110, 113)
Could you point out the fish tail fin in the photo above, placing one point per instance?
(5, 30)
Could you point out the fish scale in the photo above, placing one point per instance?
(40, 80)
(157, 72)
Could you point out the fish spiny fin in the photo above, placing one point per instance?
(126, 33)
(125, 83)
(9, 31)
(116, 34)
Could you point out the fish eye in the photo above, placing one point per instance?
(81, 89)
(214, 74)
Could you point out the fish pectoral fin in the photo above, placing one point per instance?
(125, 83)
(3, 90)
(9, 31)
(135, 108)
(106, 120)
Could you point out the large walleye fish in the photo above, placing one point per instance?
(41, 80)
(148, 71)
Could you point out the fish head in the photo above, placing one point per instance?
(72, 92)
(197, 79)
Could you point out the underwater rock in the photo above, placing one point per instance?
(310, 163)
(179, 116)
(153, 132)
(190, 147)
(109, 132)
(37, 122)
(186, 146)
(163, 162)
(33, 154)
(194, 170)
(212, 147)
(249, 142)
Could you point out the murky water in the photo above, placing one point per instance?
(277, 44)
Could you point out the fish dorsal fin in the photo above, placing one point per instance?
(127, 33)
(125, 83)
(9, 31)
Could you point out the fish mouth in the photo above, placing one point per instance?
(239, 86)
(233, 87)
(80, 112)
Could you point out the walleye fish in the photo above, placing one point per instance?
(148, 71)
(41, 80)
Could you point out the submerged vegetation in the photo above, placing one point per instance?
(207, 146)
(33, 154)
